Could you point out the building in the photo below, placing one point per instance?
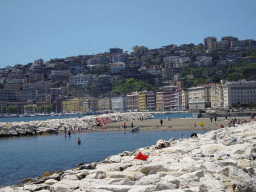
(142, 102)
(151, 100)
(119, 58)
(116, 67)
(115, 50)
(184, 95)
(199, 97)
(159, 101)
(229, 39)
(118, 104)
(104, 104)
(239, 92)
(132, 101)
(80, 80)
(91, 104)
(27, 95)
(217, 99)
(9, 94)
(56, 93)
(209, 42)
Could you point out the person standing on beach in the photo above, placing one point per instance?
(161, 121)
(215, 118)
(131, 124)
(211, 118)
(124, 125)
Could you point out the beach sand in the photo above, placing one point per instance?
(181, 124)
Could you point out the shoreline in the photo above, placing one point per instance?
(88, 124)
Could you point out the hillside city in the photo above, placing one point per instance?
(212, 74)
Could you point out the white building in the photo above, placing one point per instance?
(199, 97)
(239, 92)
(80, 80)
(157, 72)
(116, 67)
(118, 104)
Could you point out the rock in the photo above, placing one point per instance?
(50, 181)
(88, 166)
(244, 163)
(152, 169)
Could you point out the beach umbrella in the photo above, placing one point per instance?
(202, 125)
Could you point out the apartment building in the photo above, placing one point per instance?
(142, 102)
(151, 100)
(74, 105)
(184, 98)
(116, 67)
(217, 99)
(104, 104)
(133, 101)
(90, 104)
(239, 92)
(80, 80)
(199, 97)
(9, 94)
(159, 101)
(69, 106)
(118, 104)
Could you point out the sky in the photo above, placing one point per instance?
(47, 29)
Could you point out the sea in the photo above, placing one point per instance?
(29, 157)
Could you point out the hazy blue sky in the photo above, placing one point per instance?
(33, 29)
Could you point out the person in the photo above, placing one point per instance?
(194, 125)
(226, 117)
(221, 126)
(161, 121)
(124, 125)
(182, 135)
(215, 118)
(211, 118)
(78, 141)
(131, 124)
(69, 133)
(193, 135)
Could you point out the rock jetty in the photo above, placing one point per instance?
(219, 160)
(51, 125)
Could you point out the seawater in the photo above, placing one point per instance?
(30, 157)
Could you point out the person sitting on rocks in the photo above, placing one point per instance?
(193, 135)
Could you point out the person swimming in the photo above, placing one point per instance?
(78, 141)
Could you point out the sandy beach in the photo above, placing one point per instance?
(181, 124)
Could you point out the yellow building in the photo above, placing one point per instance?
(142, 102)
(74, 105)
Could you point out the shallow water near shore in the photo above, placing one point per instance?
(30, 157)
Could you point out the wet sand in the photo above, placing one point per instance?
(182, 124)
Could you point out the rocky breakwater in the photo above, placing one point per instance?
(53, 125)
(220, 160)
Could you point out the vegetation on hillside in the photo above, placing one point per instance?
(126, 85)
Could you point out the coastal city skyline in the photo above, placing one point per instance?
(32, 30)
